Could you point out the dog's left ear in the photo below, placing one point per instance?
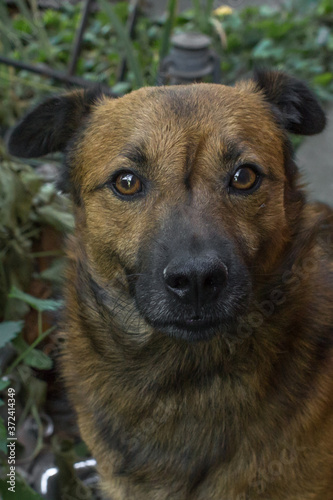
(294, 103)
(50, 126)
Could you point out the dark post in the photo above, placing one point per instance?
(190, 59)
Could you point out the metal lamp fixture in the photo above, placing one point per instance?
(191, 59)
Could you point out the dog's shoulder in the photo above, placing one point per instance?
(319, 217)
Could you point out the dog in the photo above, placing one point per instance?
(199, 289)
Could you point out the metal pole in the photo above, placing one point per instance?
(57, 75)
(79, 36)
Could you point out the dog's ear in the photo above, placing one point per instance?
(50, 126)
(294, 103)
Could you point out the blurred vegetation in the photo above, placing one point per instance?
(298, 38)
(34, 217)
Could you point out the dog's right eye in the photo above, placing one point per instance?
(245, 179)
(127, 184)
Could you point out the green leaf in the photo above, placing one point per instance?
(54, 273)
(22, 25)
(168, 27)
(121, 87)
(37, 390)
(323, 79)
(57, 218)
(121, 9)
(81, 449)
(22, 490)
(31, 356)
(4, 383)
(38, 359)
(26, 349)
(325, 7)
(267, 49)
(38, 304)
(9, 330)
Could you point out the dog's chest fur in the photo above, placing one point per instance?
(225, 418)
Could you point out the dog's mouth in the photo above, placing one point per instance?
(180, 321)
(190, 329)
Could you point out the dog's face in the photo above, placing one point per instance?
(182, 193)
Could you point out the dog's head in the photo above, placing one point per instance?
(188, 193)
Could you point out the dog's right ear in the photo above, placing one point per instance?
(295, 105)
(50, 126)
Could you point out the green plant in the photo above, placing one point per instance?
(168, 27)
(296, 37)
(125, 41)
(27, 358)
(29, 206)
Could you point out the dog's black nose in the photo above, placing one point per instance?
(196, 280)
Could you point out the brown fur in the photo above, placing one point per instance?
(247, 414)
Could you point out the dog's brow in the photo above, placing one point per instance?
(230, 152)
(135, 154)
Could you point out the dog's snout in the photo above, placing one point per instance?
(196, 280)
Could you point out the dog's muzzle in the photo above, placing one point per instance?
(192, 287)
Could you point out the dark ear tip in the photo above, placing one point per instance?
(297, 105)
(13, 144)
(321, 120)
(49, 127)
(19, 143)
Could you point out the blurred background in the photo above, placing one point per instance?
(49, 46)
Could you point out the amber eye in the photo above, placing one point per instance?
(244, 178)
(127, 184)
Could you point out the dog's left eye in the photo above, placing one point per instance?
(127, 184)
(244, 178)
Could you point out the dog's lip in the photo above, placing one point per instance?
(191, 329)
(195, 323)
(191, 325)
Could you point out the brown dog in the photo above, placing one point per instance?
(199, 319)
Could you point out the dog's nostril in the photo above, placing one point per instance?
(215, 280)
(178, 282)
(210, 282)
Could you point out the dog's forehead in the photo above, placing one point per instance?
(165, 115)
(197, 103)
(164, 122)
